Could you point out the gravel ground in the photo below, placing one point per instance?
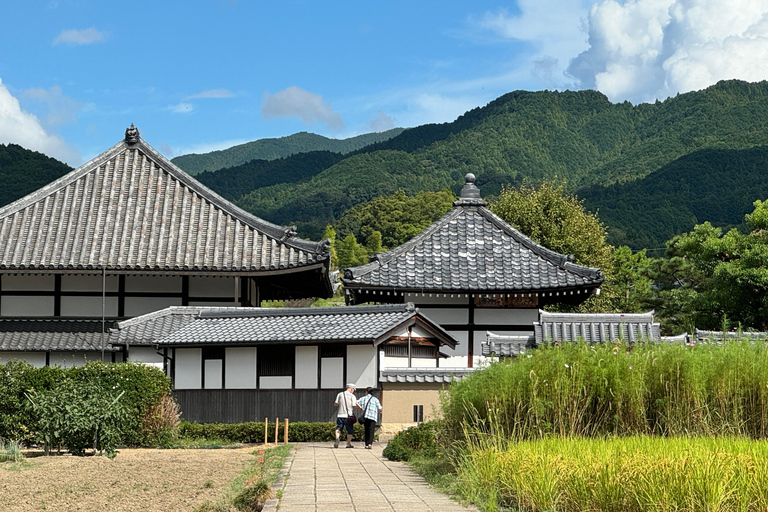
(136, 480)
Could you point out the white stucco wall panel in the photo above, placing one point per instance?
(36, 359)
(153, 284)
(11, 305)
(135, 306)
(306, 367)
(446, 316)
(88, 283)
(201, 286)
(241, 368)
(89, 307)
(213, 373)
(513, 316)
(188, 363)
(332, 373)
(44, 283)
(361, 365)
(275, 382)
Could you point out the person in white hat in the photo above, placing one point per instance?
(345, 409)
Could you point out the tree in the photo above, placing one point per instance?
(351, 253)
(557, 220)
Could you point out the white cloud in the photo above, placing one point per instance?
(182, 108)
(381, 123)
(297, 102)
(22, 128)
(212, 93)
(61, 109)
(78, 37)
(641, 50)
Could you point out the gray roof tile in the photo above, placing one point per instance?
(471, 249)
(131, 208)
(36, 335)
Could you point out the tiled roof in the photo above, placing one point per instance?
(422, 375)
(131, 208)
(596, 327)
(470, 249)
(502, 345)
(201, 325)
(29, 335)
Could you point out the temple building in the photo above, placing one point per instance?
(471, 272)
(128, 233)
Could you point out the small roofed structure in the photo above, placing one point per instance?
(471, 250)
(472, 272)
(287, 362)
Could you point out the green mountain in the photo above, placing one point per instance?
(272, 149)
(716, 185)
(578, 136)
(23, 171)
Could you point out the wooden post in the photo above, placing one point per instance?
(276, 429)
(285, 432)
(266, 430)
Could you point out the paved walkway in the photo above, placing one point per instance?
(321, 478)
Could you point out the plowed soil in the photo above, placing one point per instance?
(136, 480)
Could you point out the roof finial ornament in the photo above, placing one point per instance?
(132, 134)
(470, 194)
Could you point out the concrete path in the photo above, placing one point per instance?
(320, 478)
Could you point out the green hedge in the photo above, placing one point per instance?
(142, 387)
(253, 431)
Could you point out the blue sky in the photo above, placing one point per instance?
(201, 75)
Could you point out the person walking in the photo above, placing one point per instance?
(345, 408)
(371, 408)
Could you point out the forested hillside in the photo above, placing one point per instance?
(716, 185)
(272, 149)
(23, 171)
(580, 137)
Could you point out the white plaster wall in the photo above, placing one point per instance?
(87, 283)
(416, 362)
(145, 355)
(88, 306)
(361, 365)
(306, 367)
(436, 298)
(332, 372)
(461, 345)
(70, 359)
(214, 303)
(26, 306)
(153, 284)
(135, 306)
(188, 363)
(446, 316)
(45, 283)
(275, 382)
(506, 316)
(36, 359)
(213, 377)
(241, 368)
(212, 287)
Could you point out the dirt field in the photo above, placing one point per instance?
(136, 480)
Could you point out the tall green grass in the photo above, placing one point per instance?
(10, 451)
(618, 474)
(616, 390)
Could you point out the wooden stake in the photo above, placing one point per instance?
(266, 430)
(285, 432)
(276, 425)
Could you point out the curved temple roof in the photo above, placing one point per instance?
(471, 250)
(132, 209)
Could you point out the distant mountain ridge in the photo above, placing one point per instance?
(274, 148)
(23, 171)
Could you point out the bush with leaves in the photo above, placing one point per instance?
(79, 414)
(418, 440)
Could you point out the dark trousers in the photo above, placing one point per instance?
(370, 426)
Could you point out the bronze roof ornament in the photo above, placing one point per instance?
(132, 134)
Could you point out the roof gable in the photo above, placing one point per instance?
(470, 249)
(131, 208)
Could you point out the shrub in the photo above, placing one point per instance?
(79, 415)
(161, 424)
(252, 497)
(419, 440)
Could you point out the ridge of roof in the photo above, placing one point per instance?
(333, 310)
(283, 234)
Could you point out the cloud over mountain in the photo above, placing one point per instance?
(641, 50)
(297, 102)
